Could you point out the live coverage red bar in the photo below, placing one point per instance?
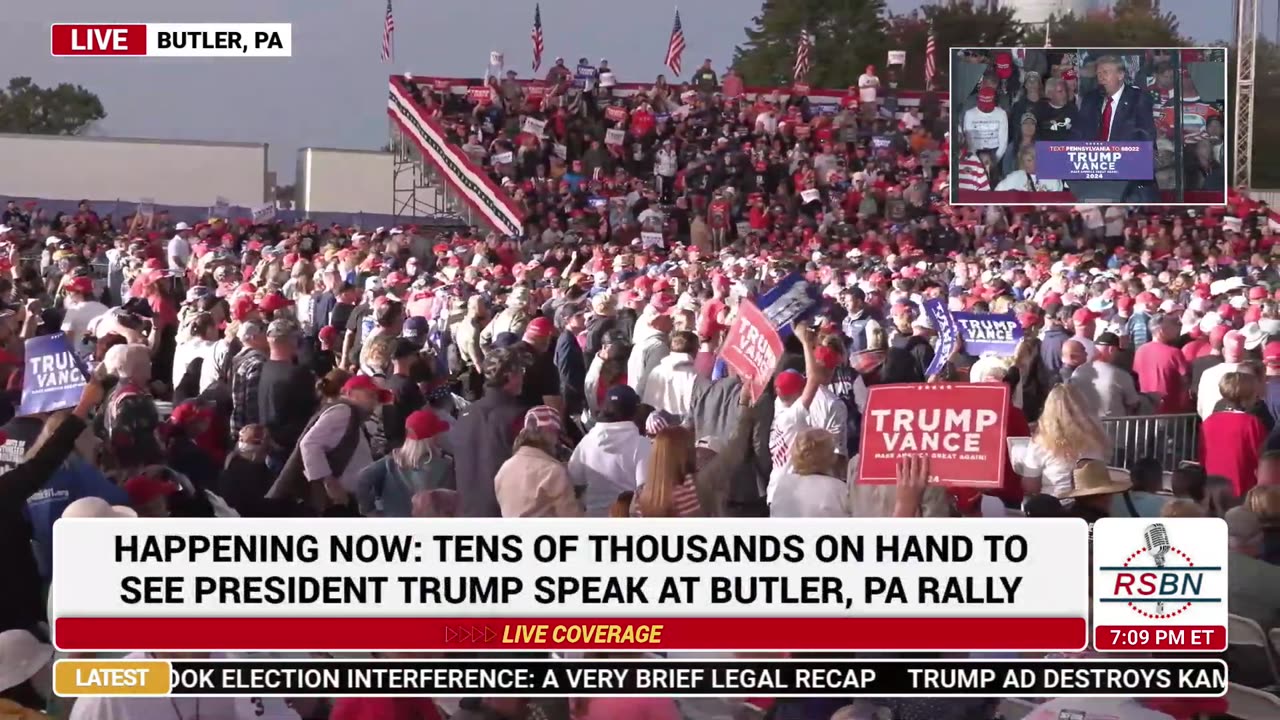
(98, 39)
(1137, 638)
(719, 633)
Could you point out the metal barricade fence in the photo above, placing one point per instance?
(1171, 439)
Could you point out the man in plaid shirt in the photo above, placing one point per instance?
(246, 371)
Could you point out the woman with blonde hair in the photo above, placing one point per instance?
(809, 488)
(668, 488)
(1066, 434)
(387, 487)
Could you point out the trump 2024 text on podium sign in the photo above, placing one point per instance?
(1074, 160)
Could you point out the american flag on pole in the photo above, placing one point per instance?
(388, 35)
(930, 60)
(802, 57)
(537, 37)
(675, 48)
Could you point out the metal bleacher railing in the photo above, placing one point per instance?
(1171, 439)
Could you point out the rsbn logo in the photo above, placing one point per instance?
(1158, 580)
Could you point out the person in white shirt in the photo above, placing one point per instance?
(605, 462)
(202, 340)
(665, 166)
(868, 91)
(179, 251)
(1025, 177)
(1207, 392)
(809, 489)
(986, 126)
(81, 310)
(803, 402)
(670, 386)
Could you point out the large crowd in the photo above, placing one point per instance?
(264, 370)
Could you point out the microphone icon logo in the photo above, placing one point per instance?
(1156, 538)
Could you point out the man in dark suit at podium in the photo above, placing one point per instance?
(1117, 112)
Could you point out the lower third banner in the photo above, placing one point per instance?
(521, 677)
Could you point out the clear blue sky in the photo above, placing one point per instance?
(332, 92)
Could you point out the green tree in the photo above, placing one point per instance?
(961, 24)
(62, 110)
(1129, 23)
(848, 36)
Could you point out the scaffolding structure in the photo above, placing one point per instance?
(1246, 12)
(417, 190)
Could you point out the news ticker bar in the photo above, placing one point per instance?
(903, 634)
(633, 677)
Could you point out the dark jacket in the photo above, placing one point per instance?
(1132, 119)
(21, 606)
(1051, 348)
(572, 365)
(480, 443)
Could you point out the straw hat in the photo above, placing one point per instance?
(1093, 477)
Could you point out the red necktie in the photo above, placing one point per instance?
(1104, 132)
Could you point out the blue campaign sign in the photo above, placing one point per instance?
(997, 334)
(982, 333)
(53, 378)
(792, 299)
(945, 326)
(1084, 160)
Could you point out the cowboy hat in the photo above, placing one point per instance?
(1093, 477)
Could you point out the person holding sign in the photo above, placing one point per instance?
(21, 605)
(803, 402)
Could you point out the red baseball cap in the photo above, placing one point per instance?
(826, 357)
(1257, 292)
(539, 327)
(82, 285)
(423, 425)
(273, 302)
(143, 489)
(329, 333)
(242, 307)
(364, 382)
(1271, 354)
(789, 383)
(1082, 316)
(1004, 64)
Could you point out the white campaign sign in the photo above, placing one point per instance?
(265, 212)
(897, 57)
(534, 126)
(651, 239)
(810, 195)
(614, 137)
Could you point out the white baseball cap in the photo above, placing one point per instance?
(96, 507)
(181, 226)
(21, 657)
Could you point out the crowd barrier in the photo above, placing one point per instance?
(1171, 439)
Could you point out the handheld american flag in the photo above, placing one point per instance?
(537, 37)
(930, 60)
(675, 47)
(801, 69)
(388, 35)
